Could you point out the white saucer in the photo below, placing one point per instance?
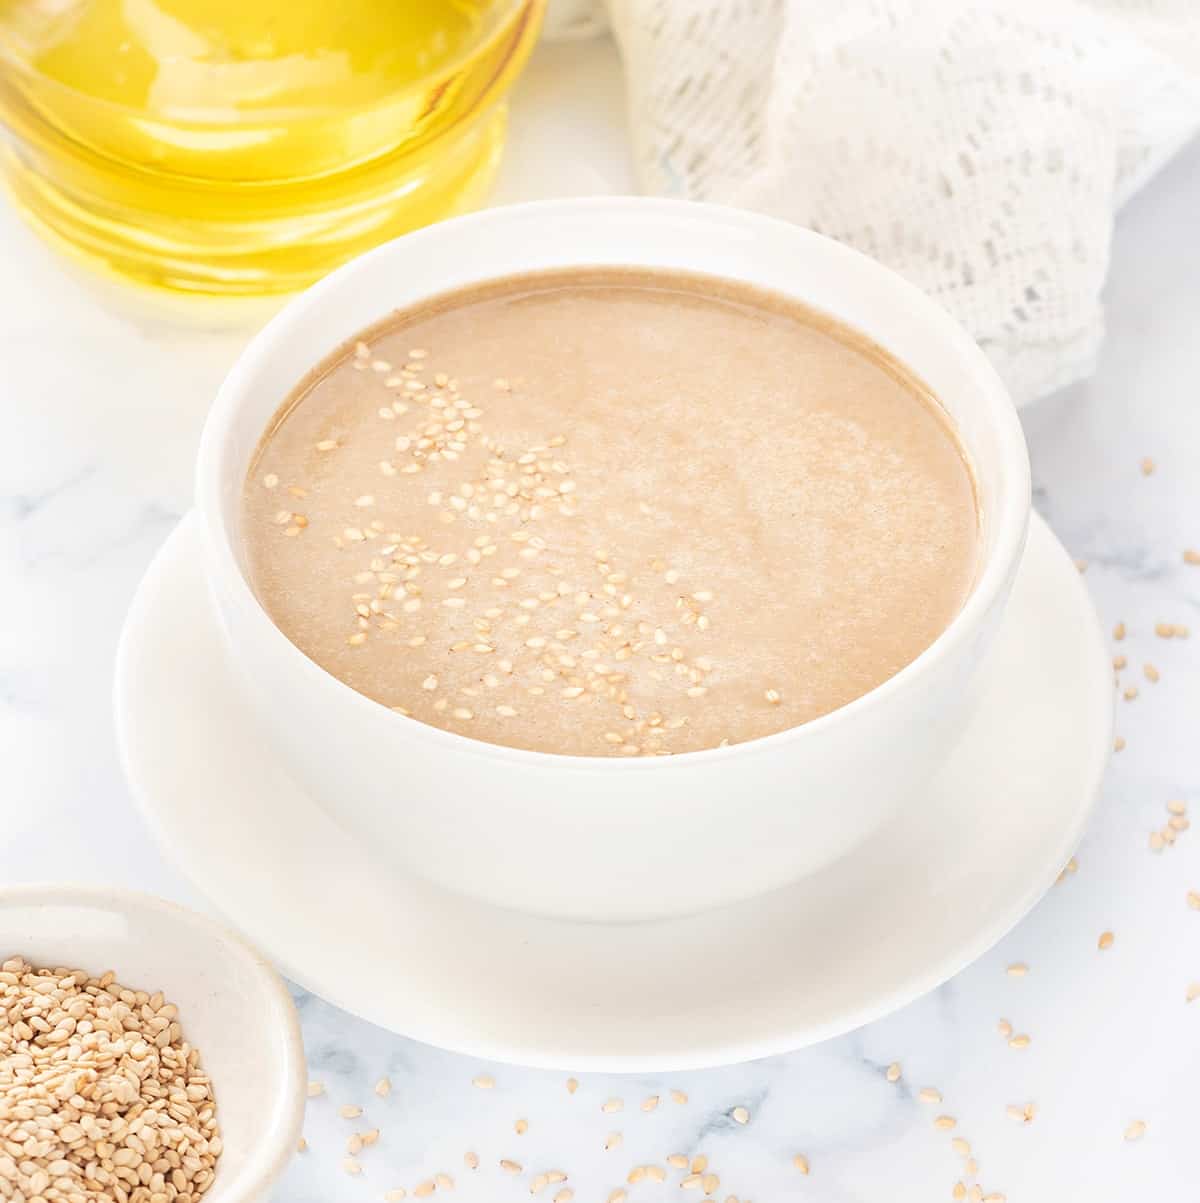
(899, 916)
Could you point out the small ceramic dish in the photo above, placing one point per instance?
(233, 1007)
(605, 838)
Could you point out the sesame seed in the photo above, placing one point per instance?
(316, 1089)
(929, 1094)
(1147, 466)
(945, 1122)
(1019, 1042)
(1191, 556)
(1151, 672)
(1004, 1028)
(1193, 900)
(350, 1111)
(651, 1103)
(740, 1115)
(893, 1072)
(302, 1145)
(960, 1146)
(1136, 1130)
(572, 1085)
(484, 1081)
(521, 1126)
(444, 1181)
(424, 1189)
(677, 1096)
(510, 1167)
(612, 1141)
(383, 1087)
(270, 481)
(677, 1161)
(773, 696)
(327, 445)
(1119, 631)
(351, 1167)
(1017, 969)
(1105, 941)
(612, 1105)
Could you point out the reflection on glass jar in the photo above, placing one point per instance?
(246, 146)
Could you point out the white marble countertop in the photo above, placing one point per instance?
(102, 404)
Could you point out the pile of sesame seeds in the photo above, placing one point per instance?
(101, 1098)
(630, 646)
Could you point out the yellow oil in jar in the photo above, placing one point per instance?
(249, 146)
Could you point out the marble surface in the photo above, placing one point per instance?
(102, 401)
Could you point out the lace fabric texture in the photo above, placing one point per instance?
(979, 147)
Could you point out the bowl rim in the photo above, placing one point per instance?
(267, 1160)
(1011, 514)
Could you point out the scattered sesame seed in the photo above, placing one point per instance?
(1193, 900)
(1119, 631)
(521, 1127)
(611, 1105)
(677, 1096)
(316, 1089)
(1017, 969)
(893, 1072)
(1147, 466)
(677, 1161)
(510, 1167)
(383, 1087)
(1151, 672)
(773, 696)
(351, 1167)
(270, 481)
(484, 1082)
(612, 1141)
(1019, 1042)
(1130, 693)
(740, 1115)
(1136, 1130)
(651, 1103)
(424, 1189)
(1105, 941)
(801, 1163)
(1191, 556)
(302, 1145)
(945, 1122)
(350, 1111)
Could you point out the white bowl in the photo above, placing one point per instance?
(233, 1007)
(595, 837)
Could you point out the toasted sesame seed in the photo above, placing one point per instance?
(1151, 672)
(612, 1141)
(565, 1195)
(1105, 941)
(1004, 1028)
(444, 1181)
(1147, 466)
(1017, 969)
(1119, 631)
(893, 1072)
(960, 1146)
(611, 1105)
(424, 1189)
(510, 1167)
(692, 1182)
(1136, 1130)
(651, 1103)
(677, 1161)
(945, 1122)
(316, 1089)
(351, 1167)
(801, 1163)
(1019, 1042)
(327, 445)
(302, 1145)
(521, 1126)
(617, 1196)
(1191, 556)
(740, 1115)
(1129, 693)
(484, 1081)
(1193, 900)
(350, 1111)
(677, 1096)
(929, 1094)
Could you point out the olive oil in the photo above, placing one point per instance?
(247, 146)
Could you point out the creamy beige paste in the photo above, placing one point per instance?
(611, 512)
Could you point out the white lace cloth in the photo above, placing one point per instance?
(979, 147)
